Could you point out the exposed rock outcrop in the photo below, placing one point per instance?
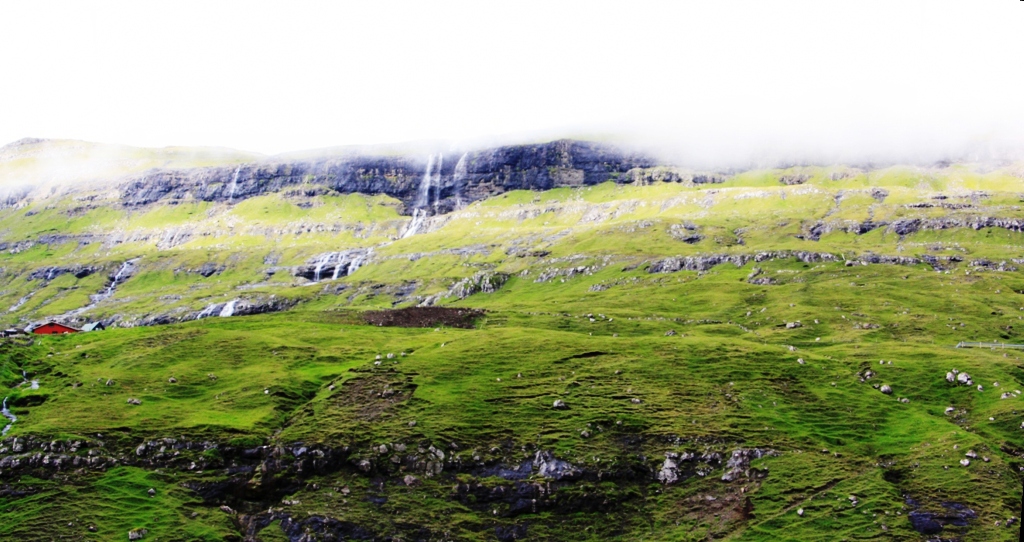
(480, 174)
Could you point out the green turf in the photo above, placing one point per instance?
(728, 378)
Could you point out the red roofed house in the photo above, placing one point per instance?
(53, 328)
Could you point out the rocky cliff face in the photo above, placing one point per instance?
(452, 180)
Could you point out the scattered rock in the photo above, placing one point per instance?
(886, 389)
(739, 463)
(559, 405)
(227, 510)
(669, 474)
(793, 325)
(670, 333)
(134, 401)
(550, 467)
(800, 512)
(172, 380)
(410, 480)
(965, 462)
(137, 534)
(151, 492)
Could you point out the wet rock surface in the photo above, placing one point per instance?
(483, 173)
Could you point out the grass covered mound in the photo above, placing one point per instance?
(423, 317)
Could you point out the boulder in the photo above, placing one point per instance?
(549, 467)
(668, 473)
(559, 405)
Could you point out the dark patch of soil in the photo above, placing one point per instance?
(423, 317)
(369, 397)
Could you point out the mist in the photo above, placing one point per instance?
(703, 85)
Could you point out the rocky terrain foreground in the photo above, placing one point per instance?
(553, 341)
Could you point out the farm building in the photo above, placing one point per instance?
(94, 326)
(53, 328)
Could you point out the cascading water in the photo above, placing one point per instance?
(358, 262)
(422, 203)
(337, 266)
(7, 414)
(458, 176)
(207, 311)
(20, 302)
(117, 278)
(322, 261)
(229, 309)
(234, 184)
(423, 195)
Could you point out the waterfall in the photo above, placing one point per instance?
(436, 182)
(422, 203)
(229, 309)
(423, 196)
(459, 175)
(117, 277)
(358, 261)
(7, 414)
(208, 311)
(234, 184)
(323, 260)
(20, 302)
(414, 225)
(337, 266)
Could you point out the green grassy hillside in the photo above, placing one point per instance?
(799, 395)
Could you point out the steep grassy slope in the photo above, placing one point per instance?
(656, 314)
(253, 245)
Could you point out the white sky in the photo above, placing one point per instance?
(713, 78)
